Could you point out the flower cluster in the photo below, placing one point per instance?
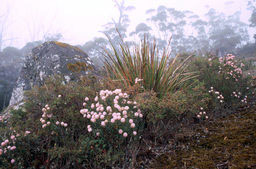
(238, 95)
(244, 100)
(231, 67)
(219, 95)
(123, 111)
(202, 114)
(46, 117)
(45, 120)
(9, 145)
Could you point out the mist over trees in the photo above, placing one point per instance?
(212, 33)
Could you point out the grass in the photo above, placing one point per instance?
(160, 73)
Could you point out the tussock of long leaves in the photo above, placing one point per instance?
(145, 62)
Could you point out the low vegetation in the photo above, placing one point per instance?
(150, 112)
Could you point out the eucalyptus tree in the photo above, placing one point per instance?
(252, 7)
(225, 33)
(141, 30)
(113, 30)
(168, 23)
(118, 27)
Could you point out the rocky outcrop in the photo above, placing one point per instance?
(48, 59)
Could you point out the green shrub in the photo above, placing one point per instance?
(224, 80)
(53, 130)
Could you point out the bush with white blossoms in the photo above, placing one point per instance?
(202, 114)
(217, 94)
(112, 112)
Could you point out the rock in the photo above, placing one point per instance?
(48, 59)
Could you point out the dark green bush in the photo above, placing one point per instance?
(59, 146)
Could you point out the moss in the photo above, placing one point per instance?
(78, 67)
(229, 143)
(65, 45)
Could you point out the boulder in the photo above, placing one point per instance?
(48, 59)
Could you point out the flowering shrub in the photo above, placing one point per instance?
(223, 77)
(120, 118)
(54, 135)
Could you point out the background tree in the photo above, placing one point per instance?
(252, 6)
(225, 33)
(94, 48)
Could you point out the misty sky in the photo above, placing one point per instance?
(81, 20)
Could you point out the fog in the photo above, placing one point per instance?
(79, 21)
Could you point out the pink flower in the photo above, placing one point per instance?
(125, 134)
(92, 106)
(12, 161)
(89, 130)
(120, 131)
(102, 117)
(134, 133)
(122, 120)
(93, 120)
(132, 125)
(103, 123)
(49, 115)
(96, 98)
(13, 148)
(12, 137)
(3, 144)
(57, 122)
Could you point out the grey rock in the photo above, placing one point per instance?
(45, 60)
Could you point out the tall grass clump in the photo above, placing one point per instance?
(157, 70)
